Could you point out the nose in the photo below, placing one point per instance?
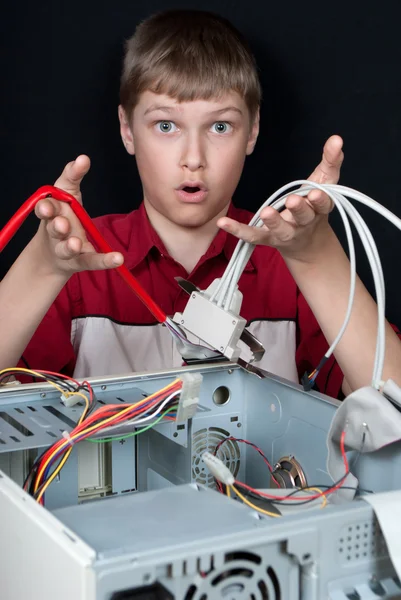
(193, 155)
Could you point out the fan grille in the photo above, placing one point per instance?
(244, 577)
(206, 440)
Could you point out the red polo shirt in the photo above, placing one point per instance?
(97, 326)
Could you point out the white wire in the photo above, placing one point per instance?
(377, 272)
(375, 264)
(138, 420)
(228, 283)
(374, 261)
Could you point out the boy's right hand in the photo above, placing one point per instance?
(64, 247)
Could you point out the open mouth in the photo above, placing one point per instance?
(191, 190)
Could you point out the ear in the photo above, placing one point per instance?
(125, 131)
(253, 136)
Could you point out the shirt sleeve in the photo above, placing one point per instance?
(51, 347)
(311, 347)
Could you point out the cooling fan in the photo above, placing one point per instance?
(206, 440)
(244, 576)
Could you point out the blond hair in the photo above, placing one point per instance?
(188, 55)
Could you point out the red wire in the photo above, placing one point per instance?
(240, 440)
(314, 496)
(342, 449)
(46, 191)
(87, 422)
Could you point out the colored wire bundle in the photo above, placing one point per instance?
(295, 498)
(248, 443)
(67, 386)
(161, 404)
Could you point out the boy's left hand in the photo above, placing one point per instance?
(298, 231)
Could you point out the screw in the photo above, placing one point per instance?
(103, 387)
(43, 395)
(182, 321)
(122, 442)
(238, 424)
(234, 322)
(221, 348)
(193, 296)
(175, 434)
(230, 371)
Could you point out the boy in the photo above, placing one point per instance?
(189, 113)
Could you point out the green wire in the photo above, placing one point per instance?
(124, 437)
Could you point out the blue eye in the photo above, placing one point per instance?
(166, 126)
(221, 127)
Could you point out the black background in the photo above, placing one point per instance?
(325, 68)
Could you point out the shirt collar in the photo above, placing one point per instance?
(144, 238)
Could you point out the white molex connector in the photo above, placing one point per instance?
(189, 396)
(218, 469)
(70, 401)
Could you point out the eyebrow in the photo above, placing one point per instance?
(169, 109)
(154, 107)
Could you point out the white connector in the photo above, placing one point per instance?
(70, 401)
(217, 327)
(189, 396)
(218, 469)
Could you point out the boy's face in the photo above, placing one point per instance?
(190, 155)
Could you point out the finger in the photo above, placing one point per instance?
(328, 171)
(47, 209)
(95, 262)
(274, 226)
(302, 213)
(280, 228)
(59, 228)
(252, 235)
(67, 249)
(321, 203)
(72, 175)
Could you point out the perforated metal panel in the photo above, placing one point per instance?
(360, 542)
(243, 575)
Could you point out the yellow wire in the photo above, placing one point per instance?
(54, 474)
(65, 393)
(82, 417)
(315, 489)
(246, 501)
(228, 491)
(67, 454)
(68, 394)
(96, 426)
(34, 373)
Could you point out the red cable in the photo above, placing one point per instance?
(9, 230)
(331, 490)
